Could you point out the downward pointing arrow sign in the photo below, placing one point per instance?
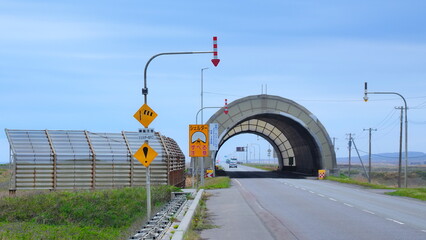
(215, 62)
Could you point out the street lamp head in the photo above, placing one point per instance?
(365, 92)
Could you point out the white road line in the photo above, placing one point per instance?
(303, 189)
(370, 212)
(321, 195)
(347, 204)
(311, 192)
(398, 222)
(423, 230)
(395, 221)
(257, 203)
(238, 182)
(332, 199)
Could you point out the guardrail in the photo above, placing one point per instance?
(160, 222)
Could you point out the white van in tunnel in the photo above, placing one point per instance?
(233, 163)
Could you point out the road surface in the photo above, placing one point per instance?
(264, 205)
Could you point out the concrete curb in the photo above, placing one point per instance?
(186, 221)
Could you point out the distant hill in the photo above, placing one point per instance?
(414, 158)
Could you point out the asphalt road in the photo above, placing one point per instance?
(265, 205)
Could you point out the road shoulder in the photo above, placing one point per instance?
(235, 219)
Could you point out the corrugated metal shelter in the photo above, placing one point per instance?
(65, 159)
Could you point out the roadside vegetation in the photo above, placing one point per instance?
(4, 177)
(217, 182)
(200, 220)
(387, 175)
(344, 179)
(383, 177)
(100, 214)
(418, 193)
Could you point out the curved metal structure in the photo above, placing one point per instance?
(67, 159)
(301, 142)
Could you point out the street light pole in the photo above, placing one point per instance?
(406, 124)
(196, 116)
(145, 93)
(400, 146)
(255, 150)
(145, 88)
(202, 93)
(202, 121)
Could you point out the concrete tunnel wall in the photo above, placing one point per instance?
(291, 129)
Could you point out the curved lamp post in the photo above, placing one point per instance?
(406, 124)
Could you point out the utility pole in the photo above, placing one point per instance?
(400, 147)
(369, 152)
(350, 148)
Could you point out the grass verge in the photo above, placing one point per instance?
(344, 179)
(418, 193)
(200, 220)
(100, 214)
(217, 182)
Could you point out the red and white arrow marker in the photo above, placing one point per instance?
(215, 60)
(226, 106)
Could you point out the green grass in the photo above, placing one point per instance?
(418, 193)
(217, 182)
(29, 230)
(344, 179)
(101, 214)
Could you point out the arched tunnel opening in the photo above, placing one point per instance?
(296, 149)
(300, 141)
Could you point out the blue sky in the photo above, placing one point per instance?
(79, 64)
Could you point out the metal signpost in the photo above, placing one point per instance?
(146, 154)
(145, 115)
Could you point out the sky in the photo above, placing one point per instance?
(78, 65)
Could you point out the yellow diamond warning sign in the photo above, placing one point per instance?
(145, 154)
(145, 115)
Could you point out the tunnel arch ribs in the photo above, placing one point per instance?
(291, 129)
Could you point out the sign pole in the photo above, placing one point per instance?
(202, 171)
(146, 115)
(148, 191)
